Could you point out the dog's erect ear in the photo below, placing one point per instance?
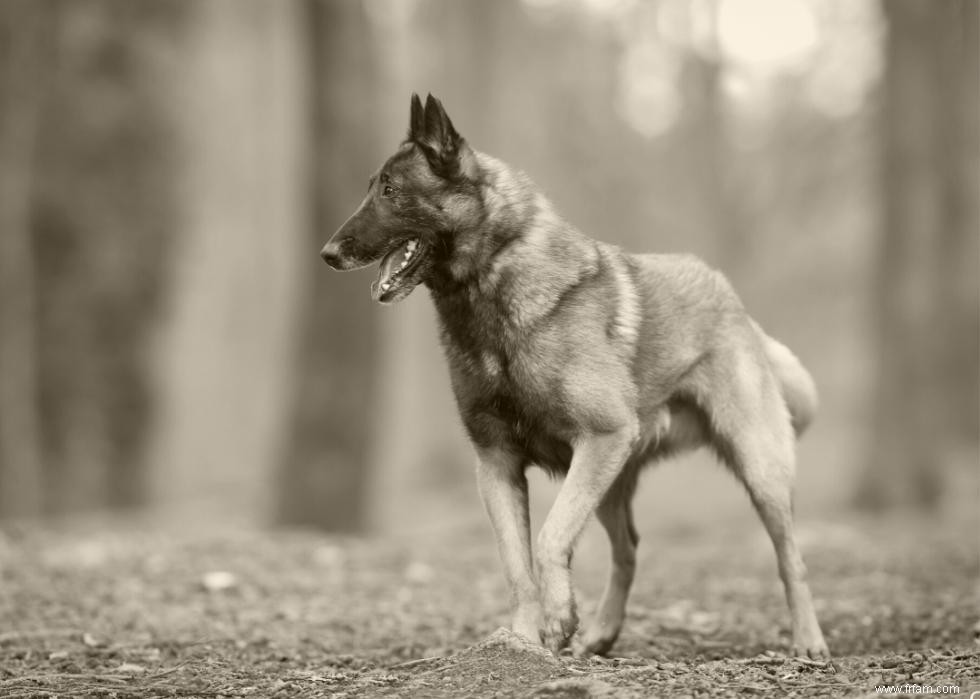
(439, 130)
(447, 152)
(416, 124)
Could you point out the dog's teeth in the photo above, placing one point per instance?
(404, 264)
(411, 245)
(385, 286)
(408, 254)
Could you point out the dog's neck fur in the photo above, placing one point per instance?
(519, 248)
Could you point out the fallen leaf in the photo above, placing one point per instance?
(219, 580)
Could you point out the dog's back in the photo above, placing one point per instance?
(691, 310)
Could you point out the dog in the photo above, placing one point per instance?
(587, 361)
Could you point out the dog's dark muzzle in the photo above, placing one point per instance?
(343, 253)
(352, 246)
(332, 254)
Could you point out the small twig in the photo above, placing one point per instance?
(629, 670)
(169, 671)
(417, 661)
(760, 660)
(14, 681)
(437, 670)
(804, 685)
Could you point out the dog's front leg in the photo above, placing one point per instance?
(503, 488)
(596, 462)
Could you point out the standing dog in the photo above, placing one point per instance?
(583, 359)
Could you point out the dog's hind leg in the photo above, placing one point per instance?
(755, 436)
(615, 513)
(503, 488)
(597, 460)
(772, 499)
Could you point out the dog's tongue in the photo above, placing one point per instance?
(386, 281)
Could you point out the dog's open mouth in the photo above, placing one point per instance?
(395, 274)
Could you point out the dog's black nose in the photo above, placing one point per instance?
(331, 254)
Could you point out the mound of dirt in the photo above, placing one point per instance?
(515, 666)
(507, 646)
(504, 659)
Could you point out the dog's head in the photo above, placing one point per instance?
(414, 203)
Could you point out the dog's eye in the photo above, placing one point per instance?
(388, 191)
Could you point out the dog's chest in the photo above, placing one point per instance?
(495, 371)
(524, 413)
(491, 358)
(508, 387)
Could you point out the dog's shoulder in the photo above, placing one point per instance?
(682, 281)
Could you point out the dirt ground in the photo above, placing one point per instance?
(122, 610)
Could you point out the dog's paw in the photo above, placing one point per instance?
(557, 629)
(595, 642)
(814, 649)
(558, 617)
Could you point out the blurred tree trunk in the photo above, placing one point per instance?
(713, 158)
(99, 213)
(925, 406)
(224, 374)
(23, 52)
(709, 151)
(958, 136)
(325, 471)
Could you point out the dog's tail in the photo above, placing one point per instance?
(797, 386)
